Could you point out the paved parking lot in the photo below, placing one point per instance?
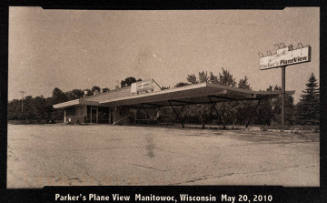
(40, 155)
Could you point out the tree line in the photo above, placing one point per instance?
(228, 112)
(306, 111)
(39, 109)
(267, 112)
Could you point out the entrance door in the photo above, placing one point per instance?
(94, 115)
(110, 116)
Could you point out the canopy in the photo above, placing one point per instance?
(191, 94)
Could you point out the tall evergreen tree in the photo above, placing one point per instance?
(244, 83)
(227, 110)
(213, 78)
(245, 109)
(203, 76)
(308, 107)
(226, 78)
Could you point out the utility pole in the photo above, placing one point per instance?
(22, 108)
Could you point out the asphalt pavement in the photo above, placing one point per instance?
(67, 155)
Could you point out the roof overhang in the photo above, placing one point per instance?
(75, 102)
(191, 94)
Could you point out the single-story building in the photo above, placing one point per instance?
(121, 104)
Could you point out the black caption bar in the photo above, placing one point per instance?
(163, 5)
(174, 194)
(157, 4)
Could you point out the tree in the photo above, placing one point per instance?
(48, 108)
(204, 113)
(308, 108)
(226, 78)
(74, 94)
(105, 89)
(244, 84)
(181, 84)
(191, 79)
(270, 110)
(227, 110)
(213, 78)
(96, 90)
(203, 76)
(34, 109)
(88, 92)
(128, 81)
(77, 93)
(28, 113)
(14, 110)
(245, 110)
(39, 108)
(265, 110)
(58, 96)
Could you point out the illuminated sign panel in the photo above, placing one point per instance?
(142, 86)
(285, 57)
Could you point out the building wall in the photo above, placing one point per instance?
(76, 115)
(121, 115)
(117, 115)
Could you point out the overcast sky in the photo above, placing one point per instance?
(72, 49)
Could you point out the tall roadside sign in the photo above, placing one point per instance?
(285, 56)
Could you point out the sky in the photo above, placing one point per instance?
(77, 49)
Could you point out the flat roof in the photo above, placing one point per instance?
(190, 94)
(75, 102)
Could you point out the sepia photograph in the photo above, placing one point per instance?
(163, 97)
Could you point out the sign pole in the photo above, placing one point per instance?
(285, 56)
(283, 97)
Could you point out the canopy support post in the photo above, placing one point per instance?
(144, 109)
(251, 116)
(213, 106)
(176, 113)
